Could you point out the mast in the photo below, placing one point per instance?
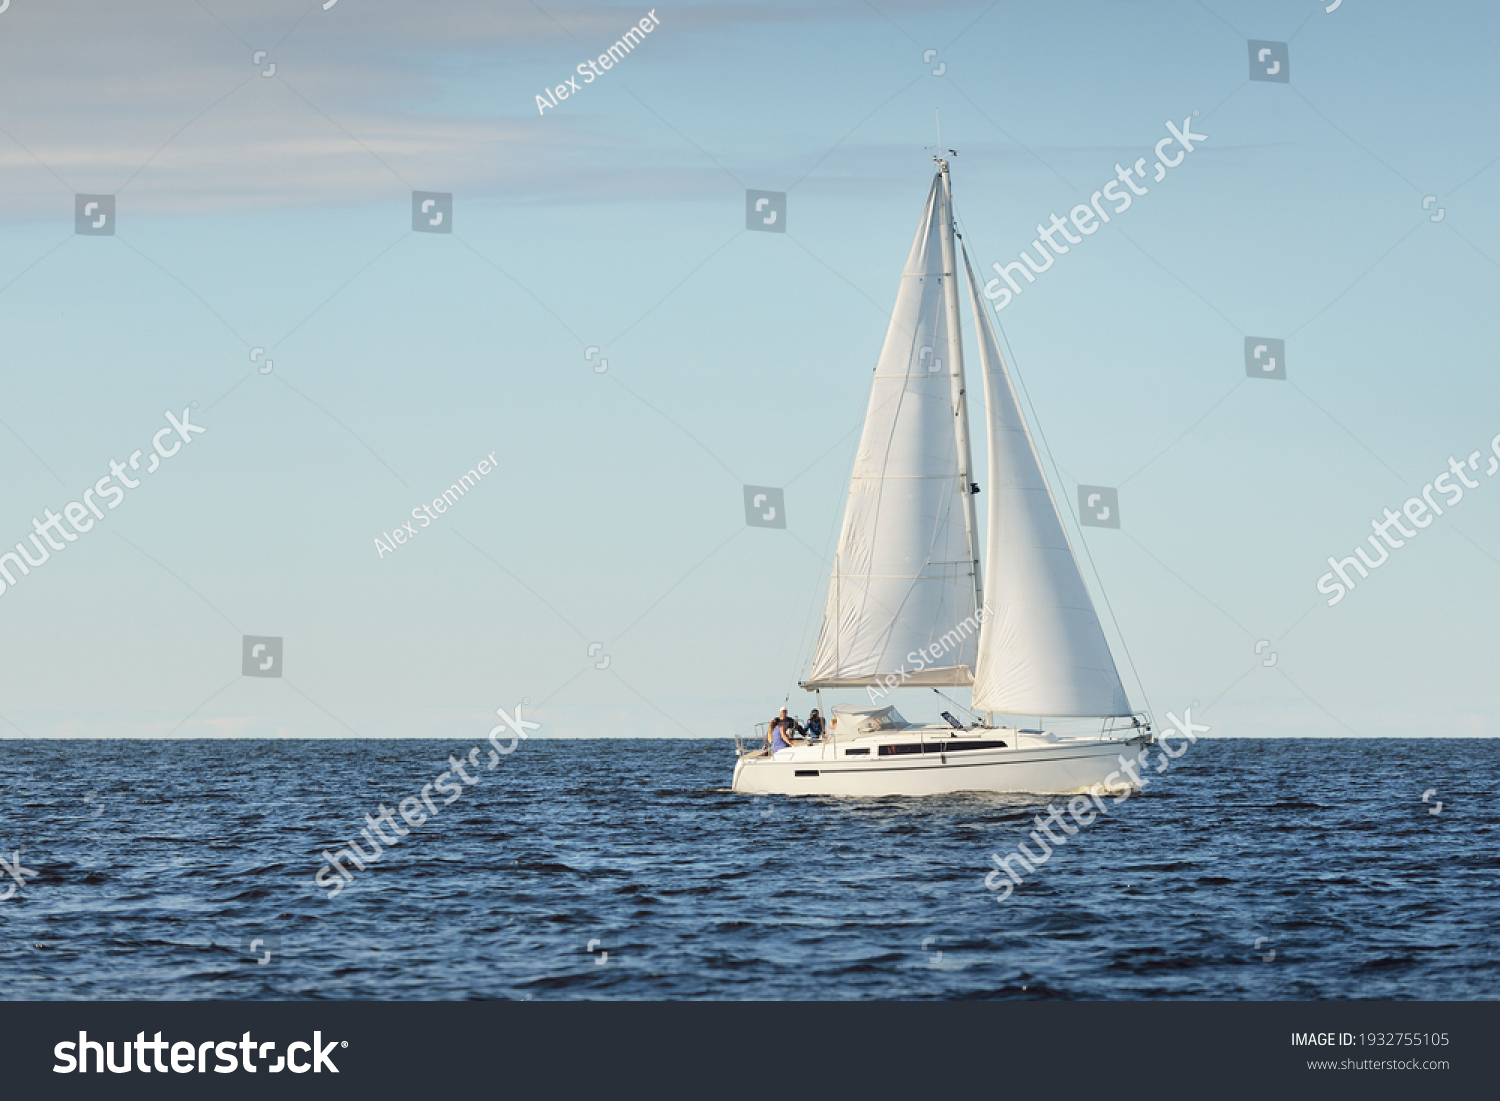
(956, 374)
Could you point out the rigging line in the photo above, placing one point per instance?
(958, 705)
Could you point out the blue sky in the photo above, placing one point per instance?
(275, 212)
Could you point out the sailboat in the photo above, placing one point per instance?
(907, 606)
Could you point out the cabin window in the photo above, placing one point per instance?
(936, 747)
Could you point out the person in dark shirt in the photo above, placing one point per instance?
(790, 727)
(814, 726)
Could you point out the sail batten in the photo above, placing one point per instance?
(904, 572)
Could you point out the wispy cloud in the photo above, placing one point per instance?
(161, 99)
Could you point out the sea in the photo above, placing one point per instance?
(627, 869)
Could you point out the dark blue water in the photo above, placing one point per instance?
(157, 863)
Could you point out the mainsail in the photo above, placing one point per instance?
(906, 571)
(1041, 649)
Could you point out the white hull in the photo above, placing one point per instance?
(1047, 766)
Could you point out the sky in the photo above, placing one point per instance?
(600, 318)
